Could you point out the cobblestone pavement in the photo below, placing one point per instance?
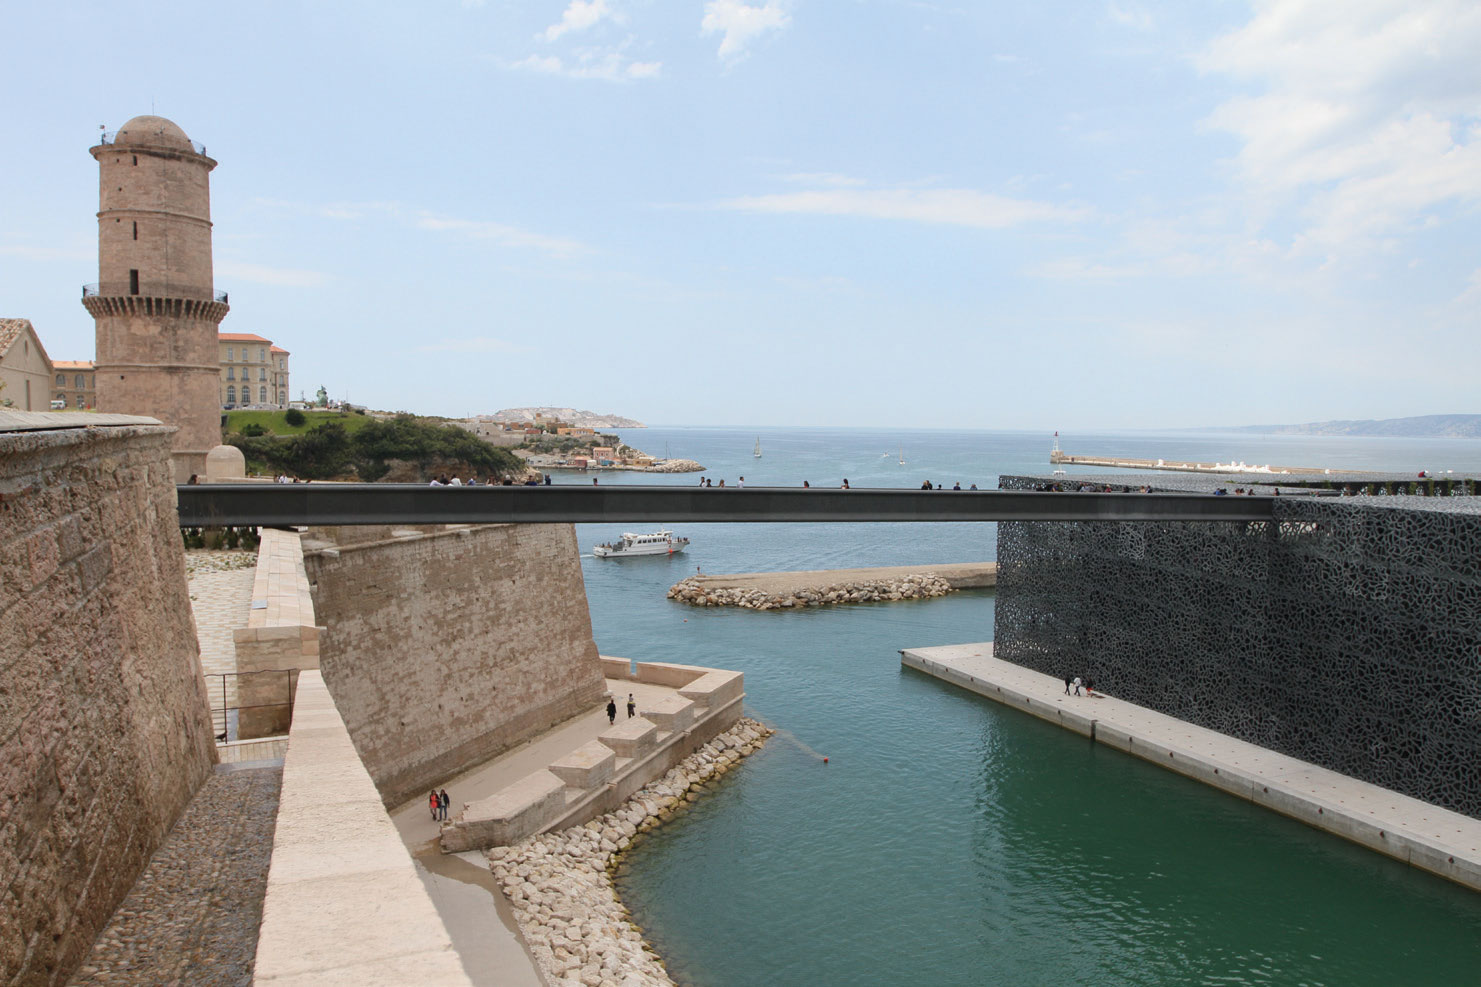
(192, 917)
(221, 600)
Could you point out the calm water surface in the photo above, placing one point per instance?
(950, 840)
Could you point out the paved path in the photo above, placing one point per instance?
(961, 575)
(1426, 836)
(221, 600)
(193, 915)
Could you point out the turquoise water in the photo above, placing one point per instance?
(952, 841)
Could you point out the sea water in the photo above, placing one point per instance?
(949, 840)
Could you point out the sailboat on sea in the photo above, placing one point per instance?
(757, 453)
(902, 455)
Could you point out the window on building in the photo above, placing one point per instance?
(262, 373)
(61, 380)
(261, 355)
(133, 282)
(229, 356)
(231, 373)
(61, 397)
(81, 381)
(262, 395)
(136, 231)
(231, 394)
(80, 403)
(282, 397)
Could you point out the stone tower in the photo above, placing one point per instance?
(155, 306)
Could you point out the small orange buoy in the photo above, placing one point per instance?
(825, 760)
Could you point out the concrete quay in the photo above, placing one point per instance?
(1425, 836)
(960, 575)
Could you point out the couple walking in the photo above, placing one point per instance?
(632, 708)
(438, 802)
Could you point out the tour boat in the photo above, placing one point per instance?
(662, 542)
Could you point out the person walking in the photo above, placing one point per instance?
(632, 706)
(443, 801)
(1077, 685)
(611, 710)
(1067, 680)
(434, 803)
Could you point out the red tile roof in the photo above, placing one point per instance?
(73, 364)
(241, 337)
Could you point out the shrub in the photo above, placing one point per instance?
(293, 417)
(254, 429)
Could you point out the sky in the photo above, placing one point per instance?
(895, 213)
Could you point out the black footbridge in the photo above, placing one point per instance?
(287, 504)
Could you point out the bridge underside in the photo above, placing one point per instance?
(221, 505)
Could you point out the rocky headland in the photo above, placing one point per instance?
(560, 884)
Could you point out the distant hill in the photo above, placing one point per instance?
(1418, 427)
(585, 419)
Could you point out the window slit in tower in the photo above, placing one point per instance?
(136, 231)
(134, 281)
(136, 160)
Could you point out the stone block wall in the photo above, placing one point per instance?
(280, 638)
(104, 729)
(1342, 633)
(444, 649)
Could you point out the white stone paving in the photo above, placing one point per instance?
(221, 601)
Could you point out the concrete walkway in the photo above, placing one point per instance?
(1431, 838)
(961, 575)
(221, 601)
(473, 908)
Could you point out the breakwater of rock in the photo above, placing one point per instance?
(917, 586)
(560, 884)
(676, 466)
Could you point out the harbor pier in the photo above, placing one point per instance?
(1422, 835)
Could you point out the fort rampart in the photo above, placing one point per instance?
(446, 647)
(104, 731)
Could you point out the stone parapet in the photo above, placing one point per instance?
(104, 729)
(280, 638)
(344, 904)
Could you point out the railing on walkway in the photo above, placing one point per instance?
(95, 290)
(111, 137)
(252, 704)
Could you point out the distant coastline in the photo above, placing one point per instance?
(571, 416)
(1417, 427)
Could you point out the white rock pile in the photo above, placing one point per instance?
(560, 884)
(676, 466)
(917, 586)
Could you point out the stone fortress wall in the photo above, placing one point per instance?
(104, 731)
(446, 647)
(1346, 633)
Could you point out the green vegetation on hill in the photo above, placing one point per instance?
(276, 422)
(404, 448)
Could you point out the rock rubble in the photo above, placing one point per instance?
(918, 586)
(676, 466)
(560, 884)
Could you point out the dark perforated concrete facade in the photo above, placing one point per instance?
(1347, 633)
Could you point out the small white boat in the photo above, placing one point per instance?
(757, 453)
(662, 542)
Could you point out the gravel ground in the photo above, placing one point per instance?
(192, 917)
(199, 560)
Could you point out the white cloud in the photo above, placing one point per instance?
(741, 23)
(955, 207)
(290, 277)
(606, 66)
(1365, 118)
(580, 15)
(1130, 15)
(504, 235)
(477, 344)
(829, 178)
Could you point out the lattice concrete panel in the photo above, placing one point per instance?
(1345, 635)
